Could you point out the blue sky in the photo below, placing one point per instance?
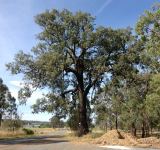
(18, 30)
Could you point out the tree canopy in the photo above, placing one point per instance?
(74, 59)
(136, 97)
(8, 107)
(73, 56)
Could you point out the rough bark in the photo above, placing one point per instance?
(151, 130)
(147, 131)
(143, 130)
(134, 130)
(83, 125)
(106, 127)
(116, 122)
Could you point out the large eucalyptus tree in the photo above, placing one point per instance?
(73, 57)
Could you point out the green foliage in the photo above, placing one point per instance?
(74, 58)
(153, 100)
(56, 122)
(8, 107)
(45, 125)
(148, 29)
(28, 131)
(73, 121)
(52, 104)
(3, 102)
(71, 58)
(135, 97)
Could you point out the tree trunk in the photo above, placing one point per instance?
(143, 130)
(147, 131)
(110, 120)
(134, 130)
(151, 131)
(83, 124)
(0, 120)
(110, 124)
(106, 127)
(116, 121)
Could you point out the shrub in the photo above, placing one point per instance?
(28, 131)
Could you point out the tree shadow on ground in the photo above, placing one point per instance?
(34, 140)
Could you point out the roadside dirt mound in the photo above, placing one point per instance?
(117, 137)
(152, 141)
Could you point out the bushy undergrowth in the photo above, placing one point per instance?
(28, 131)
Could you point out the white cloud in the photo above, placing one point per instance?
(16, 83)
(37, 94)
(14, 93)
(103, 7)
(32, 100)
(19, 84)
(25, 110)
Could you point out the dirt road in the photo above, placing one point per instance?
(55, 141)
(52, 142)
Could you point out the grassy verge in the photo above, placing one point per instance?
(21, 133)
(72, 136)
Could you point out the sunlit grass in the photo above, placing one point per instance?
(11, 134)
(72, 136)
(20, 133)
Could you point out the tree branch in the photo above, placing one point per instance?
(69, 69)
(82, 52)
(92, 83)
(69, 91)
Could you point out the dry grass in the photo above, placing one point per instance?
(72, 136)
(10, 134)
(150, 141)
(20, 133)
(44, 131)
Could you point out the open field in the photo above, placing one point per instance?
(21, 133)
(11, 134)
(71, 136)
(44, 131)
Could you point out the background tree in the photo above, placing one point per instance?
(148, 29)
(11, 111)
(13, 123)
(3, 104)
(8, 107)
(107, 108)
(139, 91)
(153, 102)
(56, 122)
